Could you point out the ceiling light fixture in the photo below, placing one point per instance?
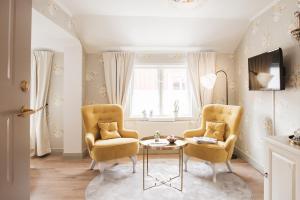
(187, 3)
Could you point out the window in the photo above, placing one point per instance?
(157, 89)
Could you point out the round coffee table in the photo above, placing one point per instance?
(148, 143)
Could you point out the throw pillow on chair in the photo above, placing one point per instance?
(108, 130)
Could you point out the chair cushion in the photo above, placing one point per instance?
(114, 142)
(114, 148)
(209, 152)
(108, 130)
(215, 130)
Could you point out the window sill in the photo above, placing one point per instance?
(162, 119)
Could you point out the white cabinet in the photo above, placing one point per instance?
(282, 169)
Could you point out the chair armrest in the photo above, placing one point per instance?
(193, 133)
(129, 134)
(230, 141)
(90, 140)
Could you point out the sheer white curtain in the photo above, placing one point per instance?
(118, 68)
(200, 64)
(40, 78)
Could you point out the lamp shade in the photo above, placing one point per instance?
(208, 81)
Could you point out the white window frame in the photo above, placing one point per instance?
(160, 67)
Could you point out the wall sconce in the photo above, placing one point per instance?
(296, 32)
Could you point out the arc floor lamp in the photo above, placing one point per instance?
(208, 81)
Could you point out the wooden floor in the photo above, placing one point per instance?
(55, 178)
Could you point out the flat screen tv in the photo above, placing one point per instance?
(266, 71)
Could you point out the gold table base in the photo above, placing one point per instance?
(167, 181)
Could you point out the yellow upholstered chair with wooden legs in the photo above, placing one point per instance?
(222, 150)
(101, 150)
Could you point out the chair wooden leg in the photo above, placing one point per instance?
(207, 163)
(92, 165)
(134, 161)
(229, 166)
(101, 167)
(214, 172)
(185, 159)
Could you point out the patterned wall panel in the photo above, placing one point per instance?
(268, 32)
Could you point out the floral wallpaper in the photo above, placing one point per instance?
(95, 81)
(95, 91)
(55, 102)
(268, 32)
(55, 13)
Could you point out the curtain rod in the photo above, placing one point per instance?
(157, 49)
(43, 49)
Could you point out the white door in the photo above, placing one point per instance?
(15, 47)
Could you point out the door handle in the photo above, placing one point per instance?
(24, 112)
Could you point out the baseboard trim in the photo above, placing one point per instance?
(240, 153)
(75, 155)
(57, 151)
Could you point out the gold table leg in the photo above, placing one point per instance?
(163, 182)
(143, 169)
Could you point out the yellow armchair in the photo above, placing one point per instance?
(104, 150)
(222, 151)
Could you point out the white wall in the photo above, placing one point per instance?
(147, 128)
(269, 31)
(73, 93)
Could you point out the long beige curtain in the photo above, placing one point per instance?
(200, 64)
(40, 78)
(118, 68)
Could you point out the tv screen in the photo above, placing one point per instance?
(266, 71)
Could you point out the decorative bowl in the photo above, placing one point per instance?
(294, 140)
(172, 139)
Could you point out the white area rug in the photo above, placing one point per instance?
(119, 183)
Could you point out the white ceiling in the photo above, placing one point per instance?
(242, 9)
(215, 25)
(105, 32)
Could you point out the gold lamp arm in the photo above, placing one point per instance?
(226, 77)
